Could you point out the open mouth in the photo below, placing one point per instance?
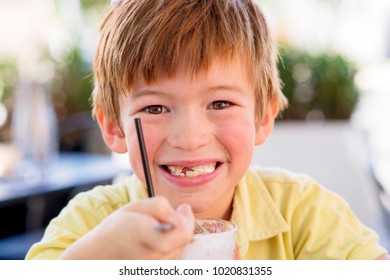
(193, 171)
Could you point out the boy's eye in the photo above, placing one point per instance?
(220, 104)
(155, 109)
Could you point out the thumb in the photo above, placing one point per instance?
(186, 215)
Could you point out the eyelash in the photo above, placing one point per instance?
(226, 104)
(161, 108)
(223, 104)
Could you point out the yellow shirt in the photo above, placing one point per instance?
(279, 215)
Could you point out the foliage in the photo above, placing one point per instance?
(8, 77)
(94, 4)
(72, 84)
(317, 85)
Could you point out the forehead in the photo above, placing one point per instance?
(219, 71)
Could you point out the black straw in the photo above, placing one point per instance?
(144, 157)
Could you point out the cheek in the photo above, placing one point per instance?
(134, 154)
(151, 139)
(238, 136)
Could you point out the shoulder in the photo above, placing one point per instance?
(85, 211)
(108, 197)
(298, 196)
(282, 182)
(321, 223)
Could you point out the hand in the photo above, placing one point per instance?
(130, 233)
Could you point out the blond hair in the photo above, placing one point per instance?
(147, 40)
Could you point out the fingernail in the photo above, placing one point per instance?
(164, 227)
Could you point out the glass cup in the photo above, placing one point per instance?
(214, 239)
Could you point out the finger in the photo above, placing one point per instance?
(187, 217)
(157, 207)
(142, 239)
(184, 215)
(167, 242)
(154, 244)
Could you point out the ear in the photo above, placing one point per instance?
(111, 132)
(266, 125)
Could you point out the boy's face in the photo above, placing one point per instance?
(199, 134)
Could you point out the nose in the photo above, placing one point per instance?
(190, 131)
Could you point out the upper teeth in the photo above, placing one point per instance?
(191, 171)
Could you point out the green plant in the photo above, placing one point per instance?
(72, 83)
(8, 77)
(317, 85)
(94, 4)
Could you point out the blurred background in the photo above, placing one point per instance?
(334, 64)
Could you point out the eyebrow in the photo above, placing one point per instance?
(231, 88)
(143, 92)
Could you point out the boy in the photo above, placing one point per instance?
(202, 77)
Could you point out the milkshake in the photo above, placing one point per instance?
(214, 239)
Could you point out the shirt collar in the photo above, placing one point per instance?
(255, 213)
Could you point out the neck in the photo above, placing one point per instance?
(221, 211)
